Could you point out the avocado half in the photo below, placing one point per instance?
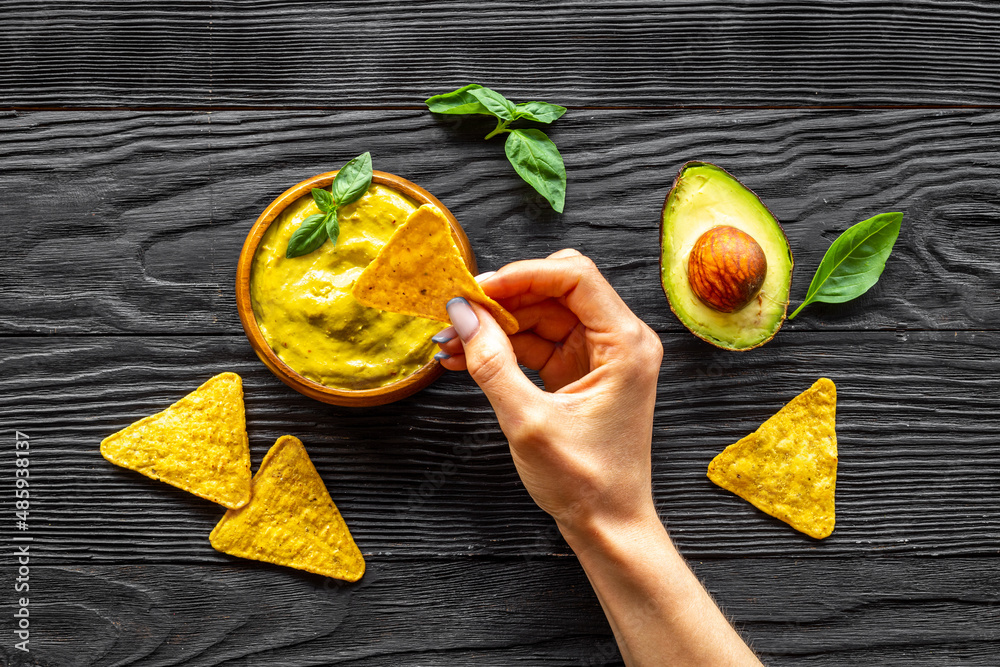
(703, 197)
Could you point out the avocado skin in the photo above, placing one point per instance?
(717, 342)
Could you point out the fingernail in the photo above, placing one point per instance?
(444, 335)
(441, 356)
(463, 318)
(482, 277)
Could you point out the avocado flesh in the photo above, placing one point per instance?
(706, 196)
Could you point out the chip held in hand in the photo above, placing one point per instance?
(788, 467)
(291, 519)
(198, 444)
(420, 269)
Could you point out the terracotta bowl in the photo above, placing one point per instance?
(350, 397)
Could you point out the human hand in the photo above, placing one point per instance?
(582, 448)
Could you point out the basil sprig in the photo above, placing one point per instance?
(854, 262)
(351, 182)
(533, 155)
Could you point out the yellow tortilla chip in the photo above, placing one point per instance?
(291, 519)
(788, 466)
(198, 444)
(420, 269)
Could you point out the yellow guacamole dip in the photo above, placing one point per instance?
(304, 306)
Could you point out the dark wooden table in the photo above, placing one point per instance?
(138, 141)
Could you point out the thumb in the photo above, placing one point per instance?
(490, 358)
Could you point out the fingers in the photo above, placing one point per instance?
(571, 278)
(558, 364)
(523, 300)
(565, 252)
(455, 363)
(531, 350)
(490, 359)
(549, 319)
(572, 320)
(444, 335)
(452, 347)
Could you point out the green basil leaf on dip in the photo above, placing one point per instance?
(855, 261)
(460, 101)
(537, 160)
(324, 199)
(540, 112)
(353, 180)
(494, 102)
(309, 236)
(332, 226)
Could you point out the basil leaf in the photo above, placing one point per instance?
(460, 101)
(854, 262)
(323, 199)
(309, 236)
(353, 180)
(332, 226)
(536, 159)
(540, 112)
(494, 102)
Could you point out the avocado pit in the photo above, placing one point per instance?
(726, 268)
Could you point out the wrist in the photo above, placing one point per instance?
(616, 537)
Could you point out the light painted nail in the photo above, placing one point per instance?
(484, 276)
(441, 356)
(463, 318)
(444, 335)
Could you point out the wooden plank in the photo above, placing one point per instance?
(125, 222)
(623, 53)
(918, 426)
(917, 611)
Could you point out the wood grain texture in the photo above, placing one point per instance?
(918, 428)
(475, 611)
(122, 230)
(125, 222)
(623, 53)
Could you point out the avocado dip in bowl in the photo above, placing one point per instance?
(300, 316)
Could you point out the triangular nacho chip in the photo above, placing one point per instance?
(198, 444)
(291, 519)
(420, 269)
(788, 466)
